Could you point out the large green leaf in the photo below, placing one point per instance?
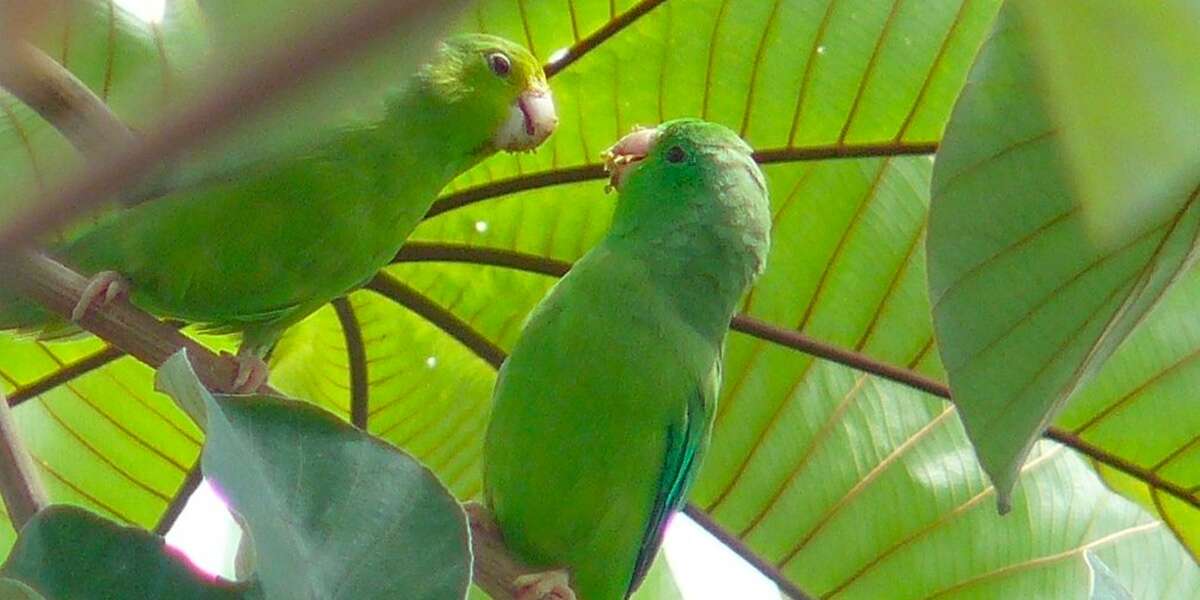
(1132, 171)
(68, 552)
(1027, 303)
(332, 512)
(830, 79)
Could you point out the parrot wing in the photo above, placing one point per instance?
(686, 440)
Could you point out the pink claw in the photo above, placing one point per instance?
(252, 373)
(102, 289)
(549, 585)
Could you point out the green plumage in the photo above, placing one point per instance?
(603, 410)
(264, 245)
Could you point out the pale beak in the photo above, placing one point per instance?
(626, 153)
(531, 119)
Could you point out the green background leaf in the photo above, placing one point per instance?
(869, 482)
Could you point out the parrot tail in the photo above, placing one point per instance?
(28, 318)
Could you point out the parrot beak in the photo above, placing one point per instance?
(531, 119)
(626, 153)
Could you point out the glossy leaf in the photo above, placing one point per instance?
(68, 552)
(333, 512)
(1027, 303)
(1133, 172)
(11, 589)
(826, 79)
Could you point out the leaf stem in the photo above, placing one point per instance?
(356, 356)
(20, 485)
(175, 508)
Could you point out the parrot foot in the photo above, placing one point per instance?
(252, 372)
(102, 289)
(549, 585)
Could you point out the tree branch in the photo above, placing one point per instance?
(423, 251)
(62, 100)
(20, 485)
(280, 71)
(59, 289)
(390, 287)
(739, 547)
(589, 172)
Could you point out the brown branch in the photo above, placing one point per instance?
(20, 485)
(241, 96)
(356, 355)
(175, 508)
(611, 28)
(797, 341)
(494, 568)
(121, 324)
(62, 100)
(590, 172)
(394, 289)
(739, 547)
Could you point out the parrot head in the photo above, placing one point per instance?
(495, 87)
(693, 181)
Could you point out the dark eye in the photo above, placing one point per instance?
(499, 64)
(676, 154)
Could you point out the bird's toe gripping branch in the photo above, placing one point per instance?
(102, 289)
(548, 585)
(502, 575)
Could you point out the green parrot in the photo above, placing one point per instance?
(603, 411)
(261, 247)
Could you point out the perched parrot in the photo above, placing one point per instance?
(261, 247)
(603, 410)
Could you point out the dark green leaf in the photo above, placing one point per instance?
(333, 512)
(69, 553)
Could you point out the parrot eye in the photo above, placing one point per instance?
(675, 154)
(499, 64)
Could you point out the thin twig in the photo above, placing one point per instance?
(392, 288)
(356, 355)
(739, 547)
(282, 70)
(20, 485)
(186, 488)
(599, 36)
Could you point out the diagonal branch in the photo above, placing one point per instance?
(249, 91)
(356, 356)
(418, 252)
(152, 341)
(735, 543)
(175, 508)
(589, 172)
(394, 289)
(62, 100)
(589, 43)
